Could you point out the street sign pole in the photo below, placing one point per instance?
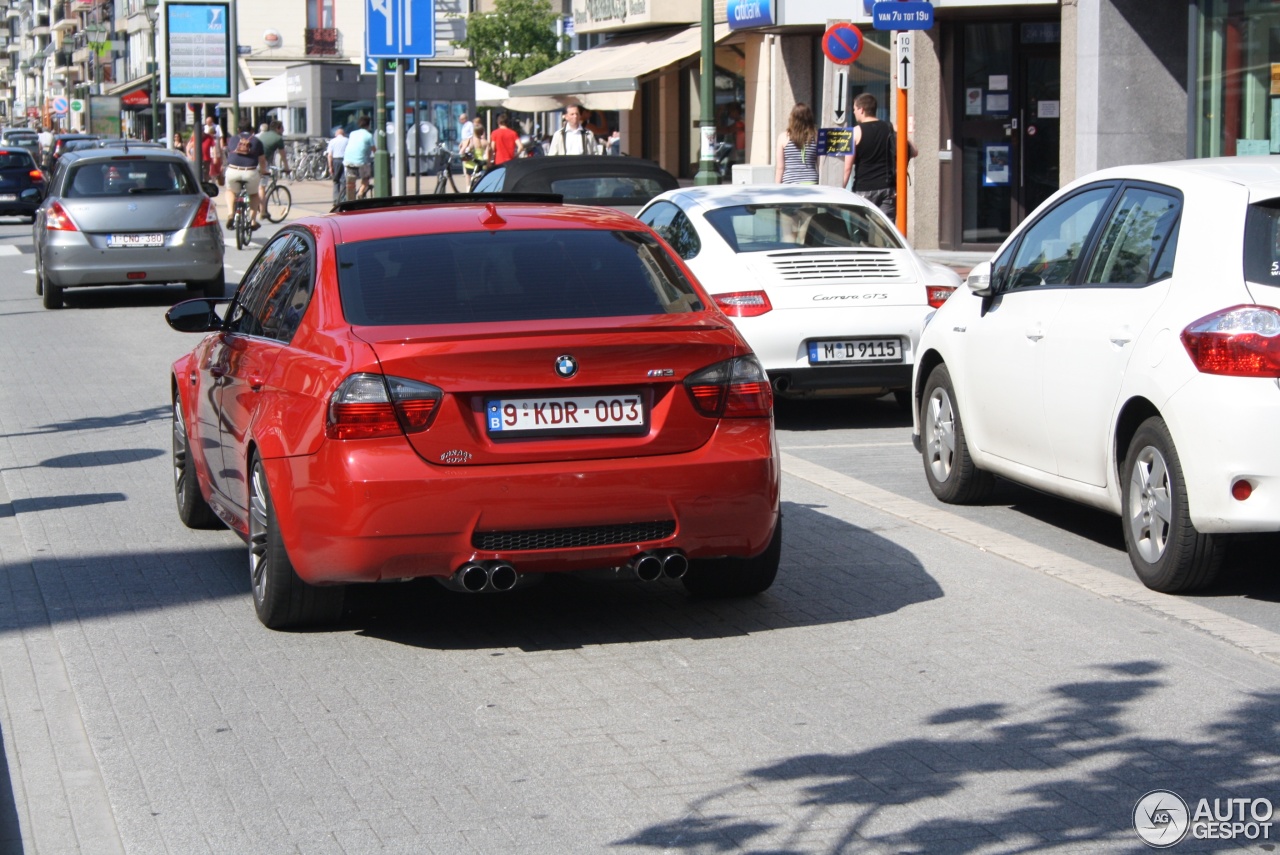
(381, 158)
(397, 132)
(904, 82)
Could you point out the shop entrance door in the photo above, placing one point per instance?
(1009, 117)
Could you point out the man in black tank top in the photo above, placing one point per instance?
(876, 156)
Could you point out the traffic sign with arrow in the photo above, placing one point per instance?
(905, 58)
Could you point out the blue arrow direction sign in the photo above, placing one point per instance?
(399, 29)
(902, 15)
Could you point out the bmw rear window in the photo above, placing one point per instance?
(506, 275)
(1262, 243)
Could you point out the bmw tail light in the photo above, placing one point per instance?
(1243, 341)
(743, 304)
(368, 405)
(58, 220)
(206, 214)
(938, 294)
(734, 389)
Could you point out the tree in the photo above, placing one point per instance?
(515, 41)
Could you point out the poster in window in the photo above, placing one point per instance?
(973, 101)
(995, 160)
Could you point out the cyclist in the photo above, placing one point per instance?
(273, 141)
(246, 164)
(357, 160)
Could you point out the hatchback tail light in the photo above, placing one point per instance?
(58, 220)
(734, 389)
(743, 304)
(36, 175)
(370, 405)
(938, 294)
(206, 214)
(1243, 341)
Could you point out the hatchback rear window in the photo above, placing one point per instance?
(488, 277)
(1262, 243)
(16, 160)
(767, 227)
(128, 177)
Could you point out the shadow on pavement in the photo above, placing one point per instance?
(831, 572)
(129, 419)
(10, 829)
(824, 414)
(1079, 771)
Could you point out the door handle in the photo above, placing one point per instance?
(1121, 337)
(256, 382)
(1035, 333)
(218, 370)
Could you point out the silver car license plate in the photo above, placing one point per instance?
(115, 241)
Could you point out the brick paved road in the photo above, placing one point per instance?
(898, 690)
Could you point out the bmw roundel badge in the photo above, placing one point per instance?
(566, 366)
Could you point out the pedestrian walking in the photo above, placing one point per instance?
(573, 137)
(466, 129)
(503, 141)
(875, 156)
(333, 153)
(796, 160)
(357, 161)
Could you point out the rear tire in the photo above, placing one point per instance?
(214, 289)
(52, 295)
(736, 577)
(949, 469)
(1166, 551)
(39, 280)
(243, 232)
(193, 510)
(281, 599)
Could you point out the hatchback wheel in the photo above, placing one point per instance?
(281, 599)
(51, 294)
(214, 289)
(736, 577)
(950, 470)
(1166, 551)
(193, 510)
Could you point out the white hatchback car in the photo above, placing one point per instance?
(818, 281)
(1122, 350)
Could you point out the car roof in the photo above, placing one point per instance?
(567, 166)
(1259, 175)
(399, 219)
(145, 153)
(726, 195)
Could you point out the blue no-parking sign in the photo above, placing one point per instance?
(842, 43)
(60, 106)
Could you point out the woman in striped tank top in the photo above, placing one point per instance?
(797, 157)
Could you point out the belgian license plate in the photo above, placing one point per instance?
(134, 240)
(856, 350)
(621, 413)
(8, 197)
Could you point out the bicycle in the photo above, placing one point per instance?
(241, 222)
(276, 200)
(443, 157)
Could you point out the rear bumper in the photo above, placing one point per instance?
(191, 255)
(365, 511)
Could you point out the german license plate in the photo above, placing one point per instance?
(855, 350)
(599, 414)
(134, 240)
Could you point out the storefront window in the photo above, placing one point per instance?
(1238, 85)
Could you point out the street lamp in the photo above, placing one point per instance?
(151, 8)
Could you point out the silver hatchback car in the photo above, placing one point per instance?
(126, 216)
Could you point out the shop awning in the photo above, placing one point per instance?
(269, 93)
(138, 84)
(607, 77)
(488, 95)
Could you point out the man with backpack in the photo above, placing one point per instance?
(246, 164)
(573, 136)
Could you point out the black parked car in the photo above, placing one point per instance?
(59, 147)
(623, 183)
(22, 184)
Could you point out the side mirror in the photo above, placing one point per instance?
(979, 280)
(32, 194)
(196, 316)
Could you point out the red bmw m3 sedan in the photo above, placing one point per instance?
(476, 389)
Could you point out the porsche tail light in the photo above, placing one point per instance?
(743, 304)
(206, 214)
(1243, 341)
(938, 294)
(58, 220)
(370, 405)
(734, 389)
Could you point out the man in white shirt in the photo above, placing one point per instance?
(334, 151)
(573, 137)
(468, 130)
